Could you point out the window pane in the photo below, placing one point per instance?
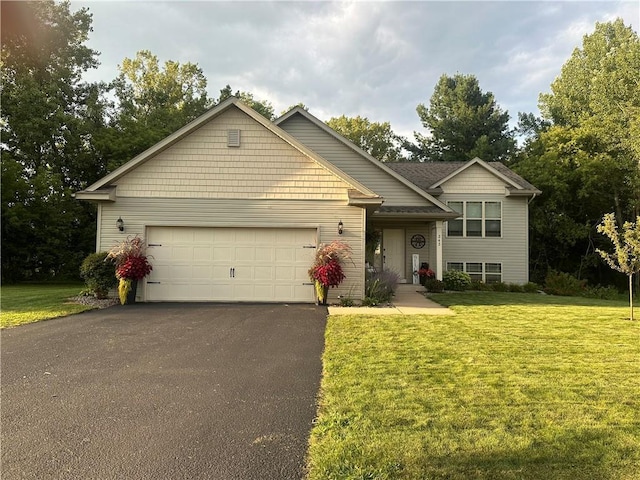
(493, 278)
(454, 266)
(474, 209)
(476, 277)
(493, 267)
(474, 228)
(474, 268)
(455, 206)
(493, 228)
(492, 210)
(454, 228)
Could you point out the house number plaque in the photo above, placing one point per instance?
(418, 241)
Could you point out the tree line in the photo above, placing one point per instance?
(60, 134)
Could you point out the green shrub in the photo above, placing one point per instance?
(560, 283)
(99, 274)
(456, 280)
(346, 301)
(379, 287)
(603, 293)
(516, 288)
(434, 286)
(531, 287)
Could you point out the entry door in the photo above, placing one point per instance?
(393, 251)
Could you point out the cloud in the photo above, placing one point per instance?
(376, 59)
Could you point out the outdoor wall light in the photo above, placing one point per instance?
(120, 224)
(340, 227)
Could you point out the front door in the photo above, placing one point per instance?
(393, 251)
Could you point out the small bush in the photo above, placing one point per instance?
(516, 288)
(346, 301)
(380, 286)
(603, 293)
(531, 287)
(456, 280)
(434, 286)
(99, 274)
(480, 286)
(560, 283)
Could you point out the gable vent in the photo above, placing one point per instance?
(233, 138)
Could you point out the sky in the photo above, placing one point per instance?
(374, 59)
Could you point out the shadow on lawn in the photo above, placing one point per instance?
(586, 453)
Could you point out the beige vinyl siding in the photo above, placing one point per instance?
(512, 249)
(203, 166)
(139, 213)
(475, 179)
(347, 160)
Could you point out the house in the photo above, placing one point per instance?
(233, 206)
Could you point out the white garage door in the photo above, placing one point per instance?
(230, 264)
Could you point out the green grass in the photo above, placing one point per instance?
(31, 303)
(515, 386)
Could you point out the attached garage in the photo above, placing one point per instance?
(230, 264)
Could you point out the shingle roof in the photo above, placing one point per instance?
(426, 174)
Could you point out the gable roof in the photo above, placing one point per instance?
(431, 175)
(381, 165)
(101, 190)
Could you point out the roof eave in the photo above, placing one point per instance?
(415, 215)
(522, 192)
(101, 195)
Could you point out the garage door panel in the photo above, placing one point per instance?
(245, 254)
(222, 253)
(195, 264)
(263, 273)
(202, 253)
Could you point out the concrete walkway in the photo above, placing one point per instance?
(408, 300)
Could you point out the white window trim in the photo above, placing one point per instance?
(484, 218)
(484, 269)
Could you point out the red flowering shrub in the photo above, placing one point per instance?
(426, 272)
(134, 268)
(328, 274)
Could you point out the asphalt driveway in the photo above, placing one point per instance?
(162, 391)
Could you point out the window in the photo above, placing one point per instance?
(493, 272)
(479, 219)
(475, 271)
(455, 266)
(454, 227)
(478, 271)
(492, 219)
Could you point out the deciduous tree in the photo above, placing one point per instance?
(375, 138)
(49, 120)
(584, 154)
(263, 107)
(626, 255)
(153, 101)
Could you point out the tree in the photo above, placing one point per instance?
(584, 154)
(299, 104)
(263, 107)
(595, 104)
(153, 101)
(462, 122)
(626, 256)
(375, 138)
(49, 120)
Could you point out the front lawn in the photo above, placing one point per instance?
(31, 303)
(515, 386)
